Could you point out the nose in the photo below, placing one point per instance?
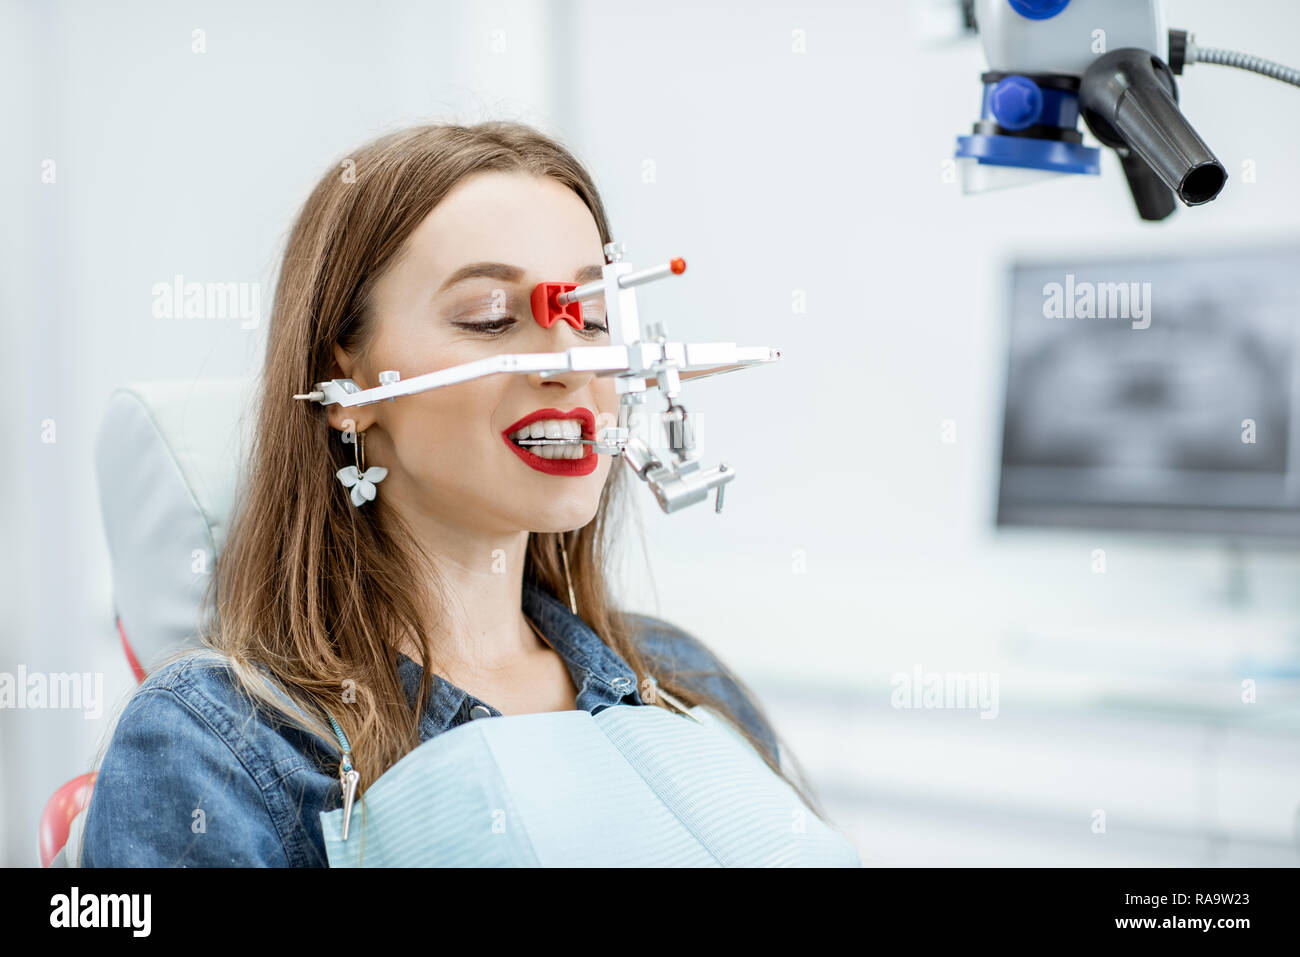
(549, 314)
(562, 380)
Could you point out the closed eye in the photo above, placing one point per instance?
(499, 326)
(495, 327)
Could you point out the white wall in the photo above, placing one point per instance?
(822, 172)
(773, 172)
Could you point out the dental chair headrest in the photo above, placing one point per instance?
(168, 458)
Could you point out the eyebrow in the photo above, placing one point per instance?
(507, 273)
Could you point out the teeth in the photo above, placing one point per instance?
(550, 429)
(557, 451)
(553, 429)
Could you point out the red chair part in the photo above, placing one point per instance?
(130, 655)
(67, 802)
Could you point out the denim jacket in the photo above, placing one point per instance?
(194, 776)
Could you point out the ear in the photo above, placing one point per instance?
(354, 418)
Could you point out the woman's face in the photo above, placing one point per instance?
(448, 458)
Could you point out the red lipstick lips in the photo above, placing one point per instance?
(584, 465)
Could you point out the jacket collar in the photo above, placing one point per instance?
(602, 677)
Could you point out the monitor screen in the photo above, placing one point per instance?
(1154, 394)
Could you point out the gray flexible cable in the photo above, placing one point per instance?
(1245, 61)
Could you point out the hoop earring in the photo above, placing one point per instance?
(564, 554)
(357, 477)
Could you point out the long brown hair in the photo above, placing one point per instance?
(312, 594)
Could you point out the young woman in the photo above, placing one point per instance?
(462, 577)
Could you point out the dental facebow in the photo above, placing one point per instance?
(660, 449)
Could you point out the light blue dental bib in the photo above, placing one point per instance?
(632, 786)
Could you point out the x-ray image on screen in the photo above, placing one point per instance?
(1154, 393)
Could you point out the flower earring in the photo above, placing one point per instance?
(359, 478)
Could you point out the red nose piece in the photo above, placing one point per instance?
(546, 309)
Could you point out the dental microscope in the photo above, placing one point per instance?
(1111, 63)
